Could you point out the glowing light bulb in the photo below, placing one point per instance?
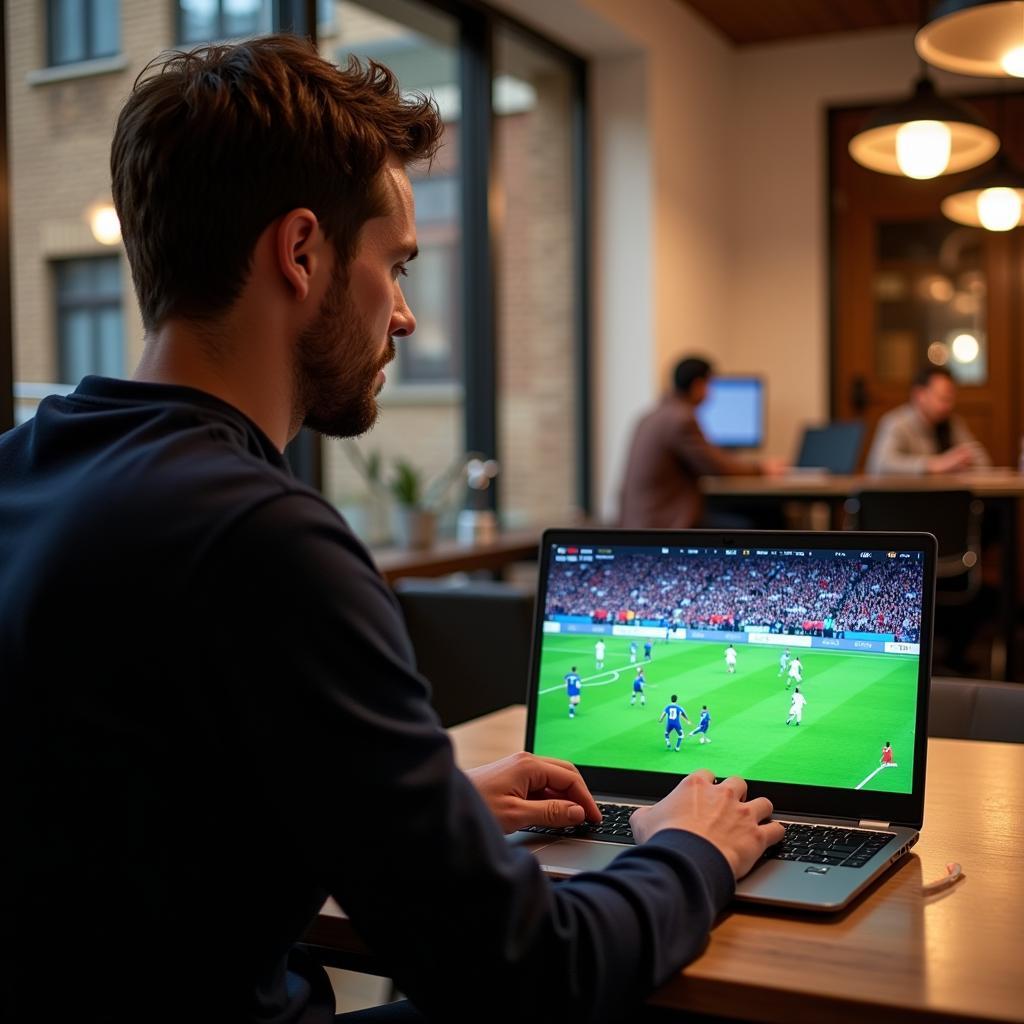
(999, 209)
(922, 148)
(965, 348)
(105, 226)
(1013, 62)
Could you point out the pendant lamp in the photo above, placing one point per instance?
(924, 136)
(993, 199)
(974, 37)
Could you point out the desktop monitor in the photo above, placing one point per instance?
(732, 415)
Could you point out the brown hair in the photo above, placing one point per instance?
(224, 139)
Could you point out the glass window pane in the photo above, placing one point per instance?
(533, 105)
(106, 27)
(109, 343)
(76, 345)
(421, 405)
(68, 37)
(198, 20)
(246, 17)
(930, 291)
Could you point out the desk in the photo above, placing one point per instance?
(895, 955)
(1001, 490)
(448, 556)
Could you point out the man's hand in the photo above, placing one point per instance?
(962, 456)
(719, 813)
(528, 790)
(774, 466)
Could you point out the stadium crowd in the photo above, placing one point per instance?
(820, 597)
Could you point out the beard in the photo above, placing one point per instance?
(336, 367)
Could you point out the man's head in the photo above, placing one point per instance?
(691, 379)
(933, 394)
(216, 147)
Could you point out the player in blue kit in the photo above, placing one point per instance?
(573, 683)
(673, 716)
(703, 725)
(648, 648)
(638, 688)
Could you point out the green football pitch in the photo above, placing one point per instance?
(855, 702)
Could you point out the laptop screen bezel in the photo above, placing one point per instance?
(826, 801)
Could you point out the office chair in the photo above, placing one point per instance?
(472, 642)
(954, 517)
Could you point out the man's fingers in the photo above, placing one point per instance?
(761, 807)
(735, 785)
(772, 833)
(701, 775)
(567, 781)
(552, 813)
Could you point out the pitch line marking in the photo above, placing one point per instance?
(874, 773)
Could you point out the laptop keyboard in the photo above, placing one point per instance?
(812, 844)
(826, 844)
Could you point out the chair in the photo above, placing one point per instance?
(954, 518)
(472, 642)
(976, 710)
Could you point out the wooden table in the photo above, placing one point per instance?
(449, 556)
(893, 956)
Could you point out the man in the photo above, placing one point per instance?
(638, 688)
(669, 453)
(703, 725)
(632, 652)
(572, 688)
(673, 716)
(796, 673)
(887, 759)
(783, 661)
(796, 707)
(730, 660)
(648, 650)
(211, 720)
(925, 436)
(599, 654)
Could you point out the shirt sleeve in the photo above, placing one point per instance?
(337, 728)
(892, 452)
(705, 459)
(962, 434)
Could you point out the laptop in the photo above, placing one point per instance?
(799, 661)
(834, 447)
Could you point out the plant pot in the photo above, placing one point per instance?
(413, 528)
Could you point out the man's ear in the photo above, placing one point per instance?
(300, 251)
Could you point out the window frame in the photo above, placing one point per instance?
(92, 303)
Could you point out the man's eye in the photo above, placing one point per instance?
(400, 271)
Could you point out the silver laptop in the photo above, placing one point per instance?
(799, 661)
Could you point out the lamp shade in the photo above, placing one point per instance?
(975, 37)
(909, 138)
(993, 199)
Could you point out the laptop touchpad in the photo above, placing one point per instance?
(571, 855)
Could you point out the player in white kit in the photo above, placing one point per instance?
(796, 709)
(796, 673)
(730, 659)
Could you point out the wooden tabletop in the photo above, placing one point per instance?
(992, 483)
(895, 955)
(449, 556)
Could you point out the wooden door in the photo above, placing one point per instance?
(907, 282)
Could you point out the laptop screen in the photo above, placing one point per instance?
(785, 665)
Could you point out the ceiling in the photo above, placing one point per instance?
(761, 21)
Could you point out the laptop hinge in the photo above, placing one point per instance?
(868, 823)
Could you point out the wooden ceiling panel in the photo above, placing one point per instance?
(761, 21)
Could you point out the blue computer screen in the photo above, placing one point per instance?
(732, 415)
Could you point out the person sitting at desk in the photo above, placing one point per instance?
(669, 453)
(924, 435)
(211, 719)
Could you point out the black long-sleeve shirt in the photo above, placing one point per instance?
(210, 720)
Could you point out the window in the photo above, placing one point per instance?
(199, 21)
(82, 30)
(90, 332)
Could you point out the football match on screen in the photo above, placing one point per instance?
(796, 666)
